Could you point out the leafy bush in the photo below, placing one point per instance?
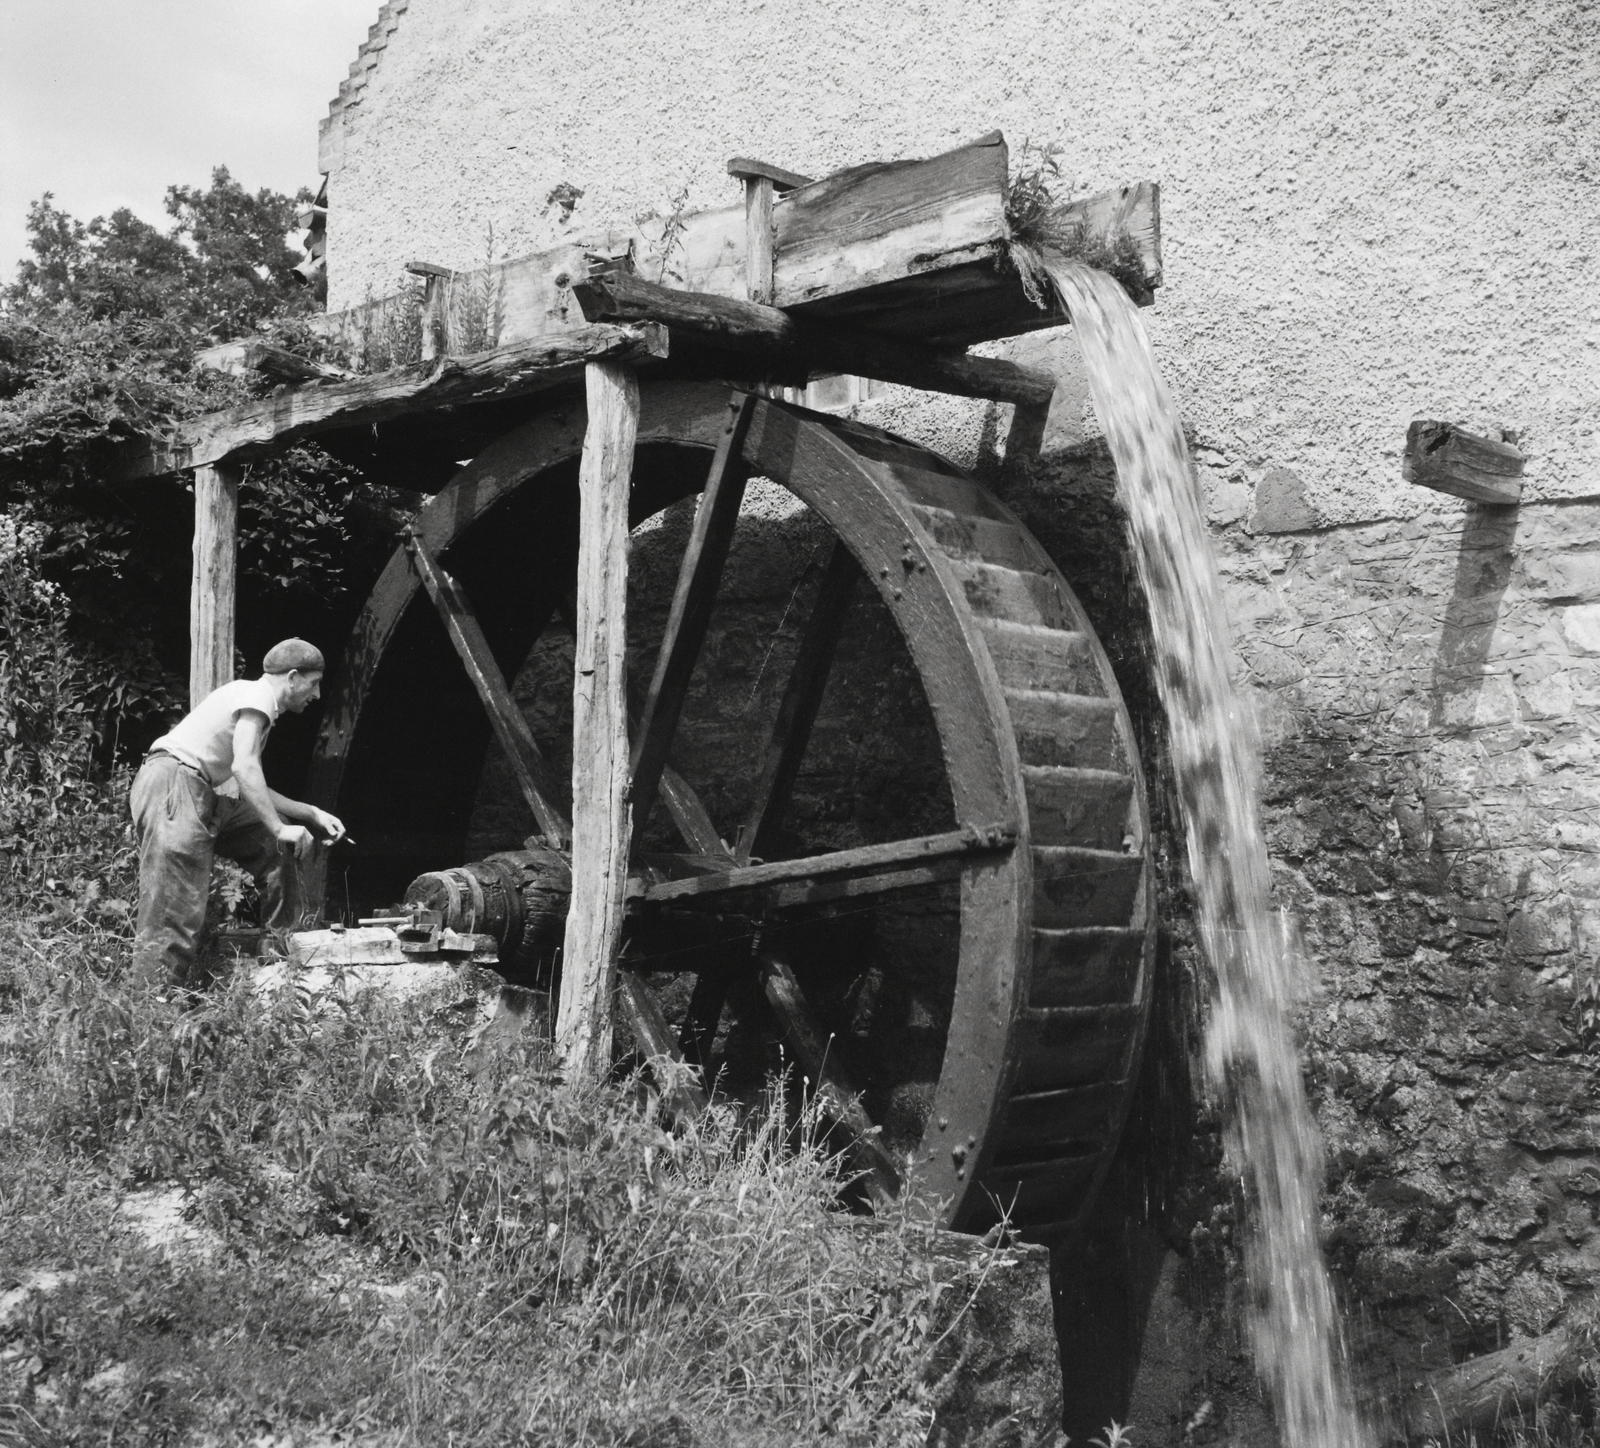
(98, 337)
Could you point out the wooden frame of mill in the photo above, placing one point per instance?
(887, 272)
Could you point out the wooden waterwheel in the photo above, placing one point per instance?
(999, 1079)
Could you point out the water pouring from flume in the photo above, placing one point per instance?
(1252, 1061)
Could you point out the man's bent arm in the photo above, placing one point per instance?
(247, 740)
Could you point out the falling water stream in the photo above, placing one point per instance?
(1251, 1056)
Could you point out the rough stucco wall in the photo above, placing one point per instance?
(1370, 212)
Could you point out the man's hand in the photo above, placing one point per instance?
(330, 825)
(298, 838)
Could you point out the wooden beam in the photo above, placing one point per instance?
(600, 816)
(690, 615)
(213, 581)
(274, 422)
(527, 762)
(828, 1083)
(973, 839)
(797, 710)
(748, 170)
(1448, 459)
(613, 293)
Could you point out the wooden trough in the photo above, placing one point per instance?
(605, 353)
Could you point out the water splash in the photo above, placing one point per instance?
(1251, 1056)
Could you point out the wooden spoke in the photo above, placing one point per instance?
(698, 578)
(931, 856)
(829, 1085)
(685, 1097)
(699, 1029)
(690, 816)
(797, 710)
(537, 782)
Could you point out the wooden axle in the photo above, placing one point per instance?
(521, 897)
(614, 293)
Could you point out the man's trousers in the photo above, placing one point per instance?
(182, 824)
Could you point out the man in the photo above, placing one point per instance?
(201, 792)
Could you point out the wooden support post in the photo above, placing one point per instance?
(600, 814)
(435, 308)
(214, 580)
(758, 238)
(1024, 441)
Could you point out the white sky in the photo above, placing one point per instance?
(109, 102)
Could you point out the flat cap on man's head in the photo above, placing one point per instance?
(293, 654)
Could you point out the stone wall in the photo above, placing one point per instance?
(1426, 690)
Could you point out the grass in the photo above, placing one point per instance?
(397, 1250)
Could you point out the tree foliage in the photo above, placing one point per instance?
(98, 336)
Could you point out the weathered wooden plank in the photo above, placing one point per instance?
(1034, 1120)
(1086, 807)
(872, 224)
(797, 710)
(1029, 657)
(684, 1097)
(747, 169)
(1493, 1391)
(1075, 730)
(600, 817)
(1074, 886)
(973, 839)
(1087, 967)
(528, 764)
(251, 354)
(213, 581)
(1074, 1046)
(289, 417)
(1014, 594)
(692, 601)
(1448, 459)
(831, 1088)
(612, 293)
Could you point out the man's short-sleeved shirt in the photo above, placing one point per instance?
(205, 737)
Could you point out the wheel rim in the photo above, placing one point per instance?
(1030, 1097)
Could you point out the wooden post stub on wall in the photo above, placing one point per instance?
(761, 183)
(214, 580)
(600, 812)
(1448, 459)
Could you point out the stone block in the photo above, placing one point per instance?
(1572, 577)
(1281, 505)
(1580, 627)
(1006, 1383)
